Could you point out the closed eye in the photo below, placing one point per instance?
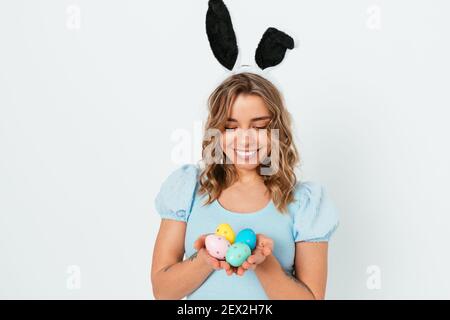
(259, 128)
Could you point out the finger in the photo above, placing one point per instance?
(266, 251)
(246, 265)
(200, 242)
(269, 244)
(250, 266)
(214, 263)
(240, 271)
(196, 245)
(256, 258)
(225, 265)
(264, 241)
(260, 239)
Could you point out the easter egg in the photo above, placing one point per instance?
(226, 231)
(217, 246)
(248, 237)
(237, 253)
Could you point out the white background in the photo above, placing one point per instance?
(92, 94)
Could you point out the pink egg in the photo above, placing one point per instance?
(217, 246)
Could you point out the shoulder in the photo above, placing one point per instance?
(315, 216)
(185, 171)
(177, 192)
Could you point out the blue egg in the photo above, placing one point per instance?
(248, 237)
(237, 253)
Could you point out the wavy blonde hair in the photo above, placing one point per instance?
(216, 177)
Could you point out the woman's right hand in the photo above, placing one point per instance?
(202, 253)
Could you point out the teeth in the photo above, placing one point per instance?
(245, 153)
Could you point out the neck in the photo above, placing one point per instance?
(248, 176)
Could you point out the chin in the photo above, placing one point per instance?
(246, 166)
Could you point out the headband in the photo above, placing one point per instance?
(270, 52)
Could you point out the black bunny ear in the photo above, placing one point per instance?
(221, 36)
(272, 48)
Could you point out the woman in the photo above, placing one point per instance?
(246, 189)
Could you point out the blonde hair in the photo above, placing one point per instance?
(216, 177)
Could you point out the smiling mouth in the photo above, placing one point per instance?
(246, 153)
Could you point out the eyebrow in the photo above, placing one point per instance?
(253, 119)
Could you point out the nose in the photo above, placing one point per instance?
(246, 139)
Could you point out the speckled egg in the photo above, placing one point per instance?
(247, 236)
(226, 231)
(217, 246)
(237, 253)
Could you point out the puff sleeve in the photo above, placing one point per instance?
(315, 216)
(175, 197)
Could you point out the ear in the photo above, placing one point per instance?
(221, 36)
(272, 48)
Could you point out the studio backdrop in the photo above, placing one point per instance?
(101, 100)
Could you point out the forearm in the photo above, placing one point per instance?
(279, 285)
(180, 279)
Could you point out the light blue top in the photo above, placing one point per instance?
(312, 218)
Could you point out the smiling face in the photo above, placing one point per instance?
(239, 110)
(245, 141)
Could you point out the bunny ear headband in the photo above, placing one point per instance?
(222, 39)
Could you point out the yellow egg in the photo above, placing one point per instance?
(226, 231)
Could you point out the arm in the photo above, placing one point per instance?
(310, 277)
(173, 278)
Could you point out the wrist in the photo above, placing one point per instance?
(266, 264)
(203, 256)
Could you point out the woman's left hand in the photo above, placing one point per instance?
(264, 248)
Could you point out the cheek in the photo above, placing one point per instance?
(268, 144)
(227, 141)
(264, 141)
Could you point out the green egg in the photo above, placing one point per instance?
(237, 253)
